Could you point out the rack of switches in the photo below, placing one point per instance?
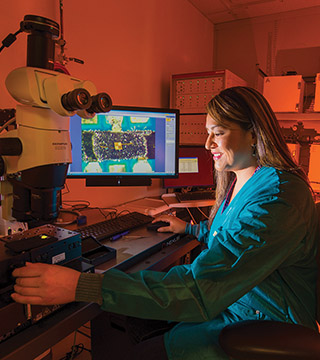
(190, 93)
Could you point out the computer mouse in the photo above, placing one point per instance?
(156, 225)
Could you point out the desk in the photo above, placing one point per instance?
(152, 250)
(167, 203)
(172, 202)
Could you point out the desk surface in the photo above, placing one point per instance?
(141, 249)
(172, 202)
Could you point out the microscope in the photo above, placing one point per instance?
(35, 154)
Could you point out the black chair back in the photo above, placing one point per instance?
(273, 340)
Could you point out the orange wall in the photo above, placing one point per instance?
(278, 43)
(130, 49)
(15, 56)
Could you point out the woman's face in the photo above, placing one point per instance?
(231, 147)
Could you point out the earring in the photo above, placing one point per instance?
(254, 150)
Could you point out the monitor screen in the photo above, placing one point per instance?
(195, 168)
(126, 146)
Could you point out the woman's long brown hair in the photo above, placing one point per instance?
(249, 109)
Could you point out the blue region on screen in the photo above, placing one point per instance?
(160, 145)
(75, 138)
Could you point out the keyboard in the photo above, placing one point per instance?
(195, 195)
(109, 229)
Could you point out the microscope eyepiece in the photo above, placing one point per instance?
(100, 103)
(77, 99)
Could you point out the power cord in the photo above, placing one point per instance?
(76, 350)
(9, 122)
(10, 39)
(76, 204)
(66, 211)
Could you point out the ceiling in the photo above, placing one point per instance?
(219, 11)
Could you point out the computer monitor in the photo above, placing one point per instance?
(126, 146)
(195, 168)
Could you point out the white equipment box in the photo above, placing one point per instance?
(314, 169)
(284, 93)
(317, 93)
(190, 93)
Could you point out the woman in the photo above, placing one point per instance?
(261, 244)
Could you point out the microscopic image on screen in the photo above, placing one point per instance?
(118, 144)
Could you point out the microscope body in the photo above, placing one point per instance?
(44, 149)
(42, 121)
(34, 156)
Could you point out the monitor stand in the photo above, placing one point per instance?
(118, 181)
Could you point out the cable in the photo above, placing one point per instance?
(193, 219)
(9, 39)
(76, 350)
(73, 345)
(123, 211)
(207, 217)
(78, 206)
(86, 327)
(84, 205)
(84, 334)
(112, 214)
(12, 120)
(73, 212)
(67, 189)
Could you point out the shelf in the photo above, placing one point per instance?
(298, 116)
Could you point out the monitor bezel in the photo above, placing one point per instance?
(134, 180)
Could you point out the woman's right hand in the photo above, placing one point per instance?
(45, 284)
(176, 226)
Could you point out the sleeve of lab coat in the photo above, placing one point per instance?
(200, 231)
(241, 256)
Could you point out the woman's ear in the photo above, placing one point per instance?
(254, 137)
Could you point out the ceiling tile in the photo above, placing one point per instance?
(218, 11)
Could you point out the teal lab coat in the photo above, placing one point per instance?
(259, 264)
